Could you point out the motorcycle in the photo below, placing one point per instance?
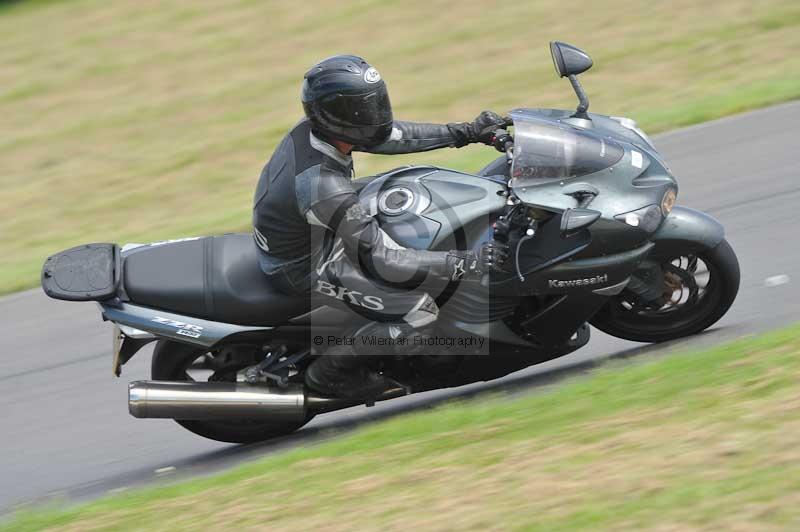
(584, 201)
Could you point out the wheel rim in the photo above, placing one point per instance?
(691, 290)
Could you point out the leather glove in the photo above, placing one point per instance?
(462, 264)
(468, 264)
(479, 130)
(493, 255)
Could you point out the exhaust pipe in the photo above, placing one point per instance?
(216, 400)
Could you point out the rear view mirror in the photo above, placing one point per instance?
(569, 60)
(573, 220)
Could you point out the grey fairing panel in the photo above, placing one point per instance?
(460, 200)
(687, 230)
(209, 333)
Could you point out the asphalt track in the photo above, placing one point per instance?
(67, 435)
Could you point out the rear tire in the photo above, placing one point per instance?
(170, 362)
(723, 285)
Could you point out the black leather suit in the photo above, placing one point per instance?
(317, 240)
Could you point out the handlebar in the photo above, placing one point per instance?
(503, 142)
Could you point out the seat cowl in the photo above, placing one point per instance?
(90, 272)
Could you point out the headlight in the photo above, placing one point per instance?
(668, 201)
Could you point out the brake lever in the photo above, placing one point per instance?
(502, 141)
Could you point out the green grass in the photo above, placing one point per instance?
(137, 121)
(700, 440)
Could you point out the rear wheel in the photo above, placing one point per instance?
(174, 361)
(698, 289)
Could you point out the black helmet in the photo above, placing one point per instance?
(346, 99)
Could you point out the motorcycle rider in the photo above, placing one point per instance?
(318, 241)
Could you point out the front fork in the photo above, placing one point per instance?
(647, 282)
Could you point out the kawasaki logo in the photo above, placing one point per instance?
(597, 279)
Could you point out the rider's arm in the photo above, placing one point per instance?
(368, 246)
(412, 137)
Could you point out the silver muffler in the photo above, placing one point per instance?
(216, 400)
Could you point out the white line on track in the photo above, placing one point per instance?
(776, 280)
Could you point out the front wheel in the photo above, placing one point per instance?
(175, 361)
(697, 291)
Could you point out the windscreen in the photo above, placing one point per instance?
(548, 149)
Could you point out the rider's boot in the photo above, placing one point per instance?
(345, 371)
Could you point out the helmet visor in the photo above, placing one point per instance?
(368, 109)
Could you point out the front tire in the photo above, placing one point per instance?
(701, 308)
(172, 361)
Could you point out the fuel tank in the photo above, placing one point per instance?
(426, 207)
